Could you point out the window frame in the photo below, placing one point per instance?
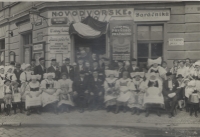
(29, 45)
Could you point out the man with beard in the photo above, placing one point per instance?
(68, 69)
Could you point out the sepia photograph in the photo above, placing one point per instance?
(99, 68)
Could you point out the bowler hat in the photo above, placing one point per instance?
(41, 59)
(53, 60)
(67, 59)
(179, 76)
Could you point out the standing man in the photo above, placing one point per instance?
(79, 67)
(54, 69)
(120, 68)
(170, 93)
(17, 73)
(134, 67)
(68, 69)
(33, 65)
(40, 69)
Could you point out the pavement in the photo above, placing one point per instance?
(102, 119)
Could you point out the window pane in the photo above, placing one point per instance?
(156, 32)
(156, 50)
(143, 33)
(143, 50)
(27, 39)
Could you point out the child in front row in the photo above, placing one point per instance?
(7, 96)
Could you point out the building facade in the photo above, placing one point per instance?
(141, 30)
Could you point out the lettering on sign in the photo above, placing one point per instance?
(59, 44)
(151, 15)
(121, 35)
(58, 30)
(38, 47)
(176, 41)
(121, 30)
(68, 16)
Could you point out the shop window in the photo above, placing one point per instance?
(27, 44)
(149, 43)
(2, 52)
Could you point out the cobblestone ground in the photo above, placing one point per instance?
(71, 131)
(67, 132)
(102, 116)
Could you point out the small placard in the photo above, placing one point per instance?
(176, 41)
(38, 47)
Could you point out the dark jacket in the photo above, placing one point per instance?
(70, 73)
(166, 89)
(96, 86)
(120, 70)
(38, 70)
(17, 74)
(80, 86)
(77, 71)
(52, 70)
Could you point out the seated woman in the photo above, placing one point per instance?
(153, 98)
(50, 91)
(123, 86)
(137, 86)
(66, 94)
(33, 95)
(110, 89)
(156, 68)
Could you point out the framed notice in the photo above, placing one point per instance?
(121, 39)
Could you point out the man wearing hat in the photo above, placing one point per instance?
(80, 87)
(33, 65)
(170, 93)
(40, 69)
(53, 69)
(68, 69)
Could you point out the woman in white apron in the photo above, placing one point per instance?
(137, 86)
(25, 78)
(123, 86)
(50, 91)
(153, 98)
(156, 68)
(33, 95)
(111, 92)
(66, 94)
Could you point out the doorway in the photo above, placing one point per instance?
(89, 46)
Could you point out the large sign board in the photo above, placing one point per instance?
(121, 39)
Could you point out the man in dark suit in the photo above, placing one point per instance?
(68, 69)
(53, 69)
(40, 69)
(80, 88)
(120, 68)
(170, 93)
(96, 91)
(79, 67)
(134, 67)
(33, 65)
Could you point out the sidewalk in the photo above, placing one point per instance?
(102, 118)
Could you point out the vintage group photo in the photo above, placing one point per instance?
(99, 68)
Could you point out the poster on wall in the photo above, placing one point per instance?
(121, 39)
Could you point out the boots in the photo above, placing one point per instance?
(28, 112)
(55, 108)
(133, 111)
(8, 110)
(108, 109)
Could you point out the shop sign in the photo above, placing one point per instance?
(121, 39)
(58, 30)
(68, 16)
(176, 41)
(151, 15)
(38, 47)
(60, 20)
(59, 44)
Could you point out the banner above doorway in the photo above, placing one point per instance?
(88, 28)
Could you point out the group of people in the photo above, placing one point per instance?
(94, 85)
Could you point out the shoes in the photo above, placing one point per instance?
(147, 114)
(81, 110)
(158, 113)
(134, 111)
